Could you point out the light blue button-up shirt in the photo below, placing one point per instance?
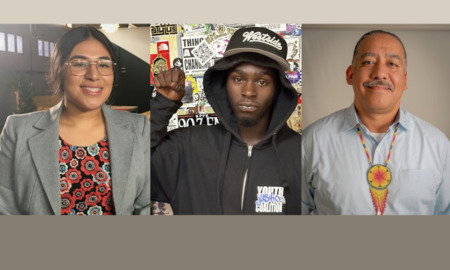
(335, 166)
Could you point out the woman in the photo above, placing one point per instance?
(79, 157)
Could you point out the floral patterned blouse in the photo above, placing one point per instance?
(85, 179)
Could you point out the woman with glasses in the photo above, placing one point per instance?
(80, 157)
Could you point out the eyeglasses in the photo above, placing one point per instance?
(79, 67)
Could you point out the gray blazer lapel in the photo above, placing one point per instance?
(121, 142)
(44, 148)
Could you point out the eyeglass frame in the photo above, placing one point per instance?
(69, 64)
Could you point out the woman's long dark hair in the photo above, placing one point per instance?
(64, 47)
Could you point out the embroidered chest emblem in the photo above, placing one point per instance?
(269, 199)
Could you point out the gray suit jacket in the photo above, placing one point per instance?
(29, 178)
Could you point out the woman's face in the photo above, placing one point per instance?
(89, 91)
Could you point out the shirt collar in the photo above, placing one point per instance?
(351, 118)
(404, 118)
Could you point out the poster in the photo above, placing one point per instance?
(197, 55)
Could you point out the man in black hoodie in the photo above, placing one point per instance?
(248, 164)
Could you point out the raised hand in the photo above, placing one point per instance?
(170, 83)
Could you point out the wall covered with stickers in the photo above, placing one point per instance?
(195, 47)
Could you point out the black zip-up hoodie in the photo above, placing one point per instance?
(210, 170)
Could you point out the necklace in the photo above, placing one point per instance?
(378, 176)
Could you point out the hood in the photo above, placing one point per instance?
(215, 87)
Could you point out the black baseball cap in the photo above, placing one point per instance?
(259, 40)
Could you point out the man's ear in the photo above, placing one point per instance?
(406, 86)
(349, 75)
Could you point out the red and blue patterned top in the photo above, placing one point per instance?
(85, 179)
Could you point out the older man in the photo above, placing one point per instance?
(374, 157)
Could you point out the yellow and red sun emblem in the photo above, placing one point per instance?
(379, 177)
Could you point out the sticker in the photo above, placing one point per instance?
(203, 53)
(178, 63)
(199, 81)
(173, 123)
(293, 30)
(274, 27)
(293, 64)
(293, 76)
(194, 100)
(196, 29)
(239, 25)
(190, 87)
(163, 46)
(220, 33)
(158, 63)
(197, 119)
(219, 28)
(219, 45)
(269, 199)
(293, 46)
(200, 97)
(163, 29)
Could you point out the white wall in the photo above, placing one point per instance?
(328, 50)
(134, 40)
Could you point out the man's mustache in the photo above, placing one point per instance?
(378, 82)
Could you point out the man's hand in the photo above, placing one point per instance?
(170, 83)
